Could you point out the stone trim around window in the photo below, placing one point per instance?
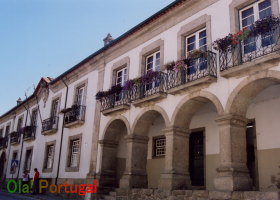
(59, 97)
(80, 84)
(45, 169)
(67, 167)
(32, 153)
(124, 62)
(157, 45)
(154, 148)
(201, 22)
(236, 5)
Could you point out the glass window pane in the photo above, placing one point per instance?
(247, 12)
(202, 34)
(265, 13)
(264, 4)
(191, 39)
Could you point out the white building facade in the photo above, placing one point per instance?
(163, 108)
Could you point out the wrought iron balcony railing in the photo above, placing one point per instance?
(195, 68)
(3, 142)
(149, 85)
(15, 137)
(75, 113)
(251, 48)
(50, 124)
(29, 132)
(114, 100)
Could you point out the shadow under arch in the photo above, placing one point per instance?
(240, 98)
(145, 118)
(185, 110)
(114, 150)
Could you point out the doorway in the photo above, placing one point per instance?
(251, 146)
(196, 159)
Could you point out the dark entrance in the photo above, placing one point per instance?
(252, 153)
(197, 158)
(2, 162)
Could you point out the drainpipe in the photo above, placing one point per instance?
(27, 109)
(62, 131)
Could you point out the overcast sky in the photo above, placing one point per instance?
(46, 37)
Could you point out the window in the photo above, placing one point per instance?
(49, 156)
(75, 149)
(121, 76)
(159, 146)
(14, 157)
(197, 40)
(80, 95)
(7, 130)
(54, 109)
(153, 62)
(34, 117)
(19, 124)
(28, 159)
(1, 132)
(247, 17)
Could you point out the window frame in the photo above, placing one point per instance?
(196, 34)
(25, 167)
(45, 169)
(68, 167)
(154, 62)
(55, 101)
(13, 158)
(154, 147)
(237, 5)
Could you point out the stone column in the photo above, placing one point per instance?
(135, 175)
(233, 173)
(176, 172)
(107, 175)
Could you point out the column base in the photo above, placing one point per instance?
(174, 181)
(230, 179)
(133, 181)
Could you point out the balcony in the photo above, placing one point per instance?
(258, 50)
(15, 138)
(149, 88)
(3, 142)
(74, 116)
(50, 125)
(194, 71)
(29, 133)
(116, 102)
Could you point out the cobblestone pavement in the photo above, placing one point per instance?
(4, 195)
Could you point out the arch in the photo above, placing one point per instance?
(247, 90)
(190, 104)
(117, 123)
(146, 116)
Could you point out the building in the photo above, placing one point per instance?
(205, 124)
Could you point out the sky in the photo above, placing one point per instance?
(40, 38)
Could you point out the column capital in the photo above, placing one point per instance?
(137, 138)
(108, 143)
(177, 131)
(232, 119)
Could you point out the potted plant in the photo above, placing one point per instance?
(265, 25)
(197, 53)
(169, 66)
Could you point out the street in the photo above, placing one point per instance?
(4, 195)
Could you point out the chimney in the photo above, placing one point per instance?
(19, 101)
(107, 40)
